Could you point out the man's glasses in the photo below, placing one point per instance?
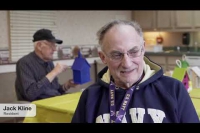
(117, 56)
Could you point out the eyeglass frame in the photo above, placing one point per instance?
(122, 54)
(52, 46)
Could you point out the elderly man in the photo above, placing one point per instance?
(132, 88)
(36, 76)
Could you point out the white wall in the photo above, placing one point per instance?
(74, 27)
(4, 29)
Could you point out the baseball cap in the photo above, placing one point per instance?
(45, 34)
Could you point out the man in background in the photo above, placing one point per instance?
(36, 76)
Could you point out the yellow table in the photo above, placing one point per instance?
(196, 103)
(195, 95)
(58, 109)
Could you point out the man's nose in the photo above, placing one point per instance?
(126, 61)
(54, 48)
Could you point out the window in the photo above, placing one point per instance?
(23, 24)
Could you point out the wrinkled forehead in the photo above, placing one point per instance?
(121, 38)
(50, 43)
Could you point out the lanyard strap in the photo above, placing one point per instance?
(118, 118)
(123, 107)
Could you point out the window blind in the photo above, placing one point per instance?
(23, 24)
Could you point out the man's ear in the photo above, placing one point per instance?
(39, 46)
(102, 56)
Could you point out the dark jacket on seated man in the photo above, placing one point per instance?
(32, 71)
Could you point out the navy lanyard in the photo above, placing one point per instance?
(118, 118)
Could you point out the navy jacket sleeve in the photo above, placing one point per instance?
(186, 110)
(80, 112)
